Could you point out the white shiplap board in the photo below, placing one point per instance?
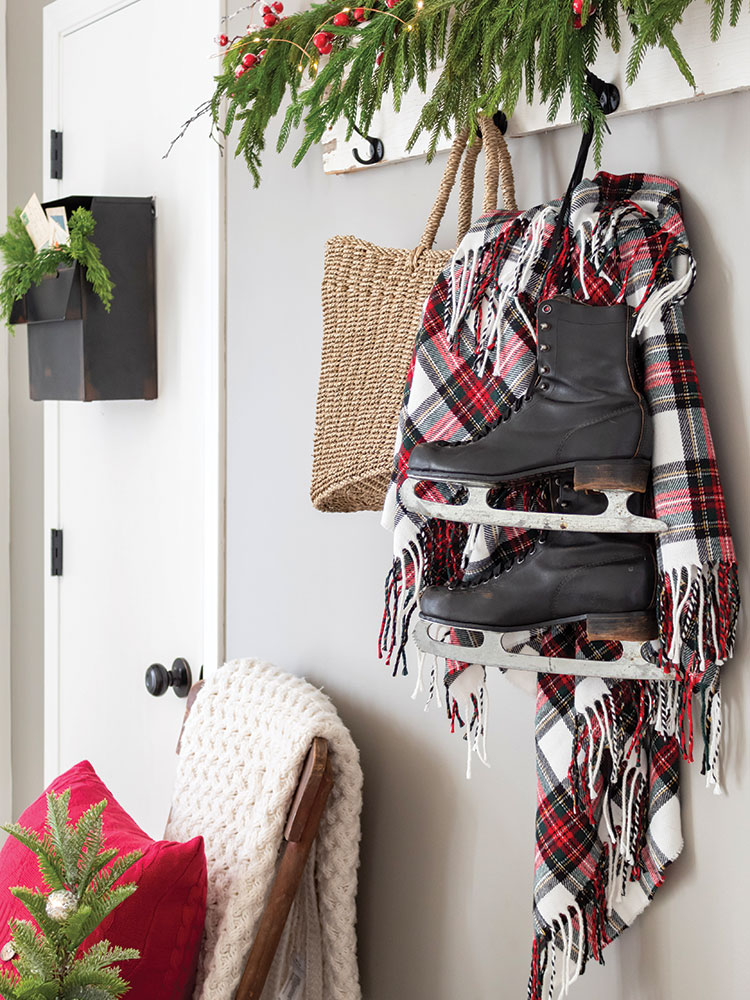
(719, 67)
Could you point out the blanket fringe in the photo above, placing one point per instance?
(563, 946)
(486, 286)
(571, 940)
(434, 556)
(697, 609)
(467, 701)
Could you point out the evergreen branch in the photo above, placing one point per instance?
(88, 831)
(49, 863)
(90, 913)
(8, 984)
(102, 954)
(51, 963)
(36, 956)
(717, 18)
(107, 879)
(35, 903)
(75, 992)
(491, 52)
(58, 824)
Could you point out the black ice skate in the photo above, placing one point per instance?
(584, 417)
(607, 581)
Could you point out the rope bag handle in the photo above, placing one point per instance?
(497, 168)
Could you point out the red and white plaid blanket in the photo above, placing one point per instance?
(608, 819)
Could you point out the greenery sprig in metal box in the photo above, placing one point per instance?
(339, 62)
(26, 267)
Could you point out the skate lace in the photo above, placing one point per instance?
(509, 561)
(514, 408)
(506, 565)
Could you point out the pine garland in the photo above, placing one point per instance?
(24, 267)
(491, 52)
(80, 876)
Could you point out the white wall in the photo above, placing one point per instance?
(445, 900)
(24, 53)
(5, 740)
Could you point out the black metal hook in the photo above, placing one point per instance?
(377, 151)
(607, 94)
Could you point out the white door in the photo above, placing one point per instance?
(136, 486)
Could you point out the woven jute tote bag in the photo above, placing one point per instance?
(373, 298)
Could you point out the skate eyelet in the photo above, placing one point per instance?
(563, 503)
(544, 370)
(544, 326)
(544, 347)
(546, 308)
(544, 386)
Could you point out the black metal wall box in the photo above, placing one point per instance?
(78, 350)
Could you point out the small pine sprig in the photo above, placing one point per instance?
(25, 267)
(491, 52)
(79, 873)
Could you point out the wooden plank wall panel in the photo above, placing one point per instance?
(719, 68)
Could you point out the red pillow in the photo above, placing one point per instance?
(163, 919)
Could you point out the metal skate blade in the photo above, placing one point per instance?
(475, 510)
(491, 653)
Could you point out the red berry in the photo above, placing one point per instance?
(577, 6)
(249, 59)
(325, 49)
(240, 71)
(379, 58)
(391, 3)
(278, 7)
(266, 9)
(340, 20)
(223, 40)
(269, 20)
(262, 53)
(359, 13)
(320, 39)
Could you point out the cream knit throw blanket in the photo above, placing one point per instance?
(242, 750)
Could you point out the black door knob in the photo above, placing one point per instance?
(179, 678)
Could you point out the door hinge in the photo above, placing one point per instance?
(56, 552)
(56, 155)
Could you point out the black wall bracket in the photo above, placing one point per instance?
(56, 155)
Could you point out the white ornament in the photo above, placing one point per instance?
(8, 953)
(60, 905)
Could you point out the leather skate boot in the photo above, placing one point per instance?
(608, 580)
(584, 412)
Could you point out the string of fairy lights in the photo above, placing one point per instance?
(320, 39)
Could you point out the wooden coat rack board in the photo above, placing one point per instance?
(719, 67)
